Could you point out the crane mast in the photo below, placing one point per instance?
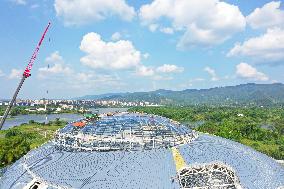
(26, 74)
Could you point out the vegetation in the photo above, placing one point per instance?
(245, 94)
(17, 141)
(259, 128)
(14, 111)
(21, 110)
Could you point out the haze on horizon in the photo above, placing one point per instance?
(96, 47)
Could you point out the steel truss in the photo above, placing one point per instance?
(143, 134)
(207, 176)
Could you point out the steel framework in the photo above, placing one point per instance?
(127, 132)
(205, 176)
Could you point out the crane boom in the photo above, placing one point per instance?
(26, 74)
(33, 58)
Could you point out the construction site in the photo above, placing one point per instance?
(137, 150)
(134, 150)
(123, 131)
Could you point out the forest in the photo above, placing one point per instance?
(17, 141)
(258, 127)
(250, 94)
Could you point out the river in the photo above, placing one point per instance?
(20, 119)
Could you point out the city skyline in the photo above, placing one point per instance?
(97, 47)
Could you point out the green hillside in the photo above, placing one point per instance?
(244, 94)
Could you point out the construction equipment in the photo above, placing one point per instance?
(26, 74)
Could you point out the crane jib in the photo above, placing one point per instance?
(33, 58)
(26, 74)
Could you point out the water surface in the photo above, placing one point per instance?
(20, 119)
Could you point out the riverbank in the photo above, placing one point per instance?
(24, 110)
(22, 119)
(27, 110)
(42, 118)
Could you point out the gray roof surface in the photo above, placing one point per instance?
(120, 169)
(153, 168)
(141, 169)
(254, 169)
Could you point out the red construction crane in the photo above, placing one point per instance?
(26, 74)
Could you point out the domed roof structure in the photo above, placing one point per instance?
(141, 151)
(123, 131)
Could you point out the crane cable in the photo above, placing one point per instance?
(46, 103)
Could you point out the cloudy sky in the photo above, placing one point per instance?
(102, 46)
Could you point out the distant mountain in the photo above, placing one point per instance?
(96, 97)
(244, 94)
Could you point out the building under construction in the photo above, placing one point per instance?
(122, 131)
(132, 150)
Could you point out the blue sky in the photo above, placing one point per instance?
(107, 46)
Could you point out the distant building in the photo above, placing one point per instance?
(41, 109)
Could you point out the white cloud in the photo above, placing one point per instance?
(198, 79)
(268, 47)
(56, 66)
(34, 6)
(15, 74)
(55, 57)
(246, 71)
(184, 86)
(19, 2)
(198, 36)
(269, 15)
(109, 55)
(205, 22)
(167, 30)
(1, 73)
(84, 82)
(191, 82)
(116, 36)
(274, 81)
(55, 69)
(61, 77)
(170, 68)
(212, 73)
(96, 78)
(114, 55)
(84, 77)
(153, 27)
(144, 71)
(146, 55)
(162, 78)
(77, 12)
(164, 70)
